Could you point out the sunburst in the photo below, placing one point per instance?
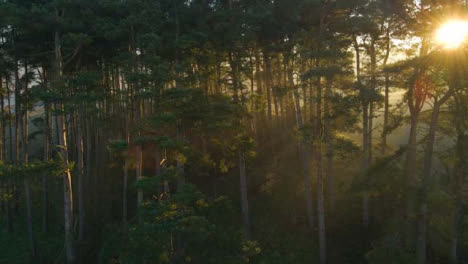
(452, 34)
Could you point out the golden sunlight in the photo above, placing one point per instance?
(452, 33)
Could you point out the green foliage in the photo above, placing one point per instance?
(32, 169)
(187, 227)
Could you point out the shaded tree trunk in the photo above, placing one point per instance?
(426, 175)
(80, 170)
(243, 191)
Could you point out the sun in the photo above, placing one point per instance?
(452, 33)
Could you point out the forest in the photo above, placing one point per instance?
(233, 131)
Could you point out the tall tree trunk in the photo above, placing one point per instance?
(365, 131)
(67, 177)
(304, 153)
(46, 156)
(243, 191)
(9, 183)
(235, 78)
(26, 115)
(125, 179)
(457, 223)
(32, 244)
(88, 123)
(461, 172)
(2, 122)
(138, 171)
(80, 170)
(259, 84)
(17, 114)
(268, 87)
(10, 124)
(330, 148)
(383, 147)
(180, 164)
(365, 161)
(27, 193)
(318, 160)
(410, 173)
(426, 175)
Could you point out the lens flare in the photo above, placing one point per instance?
(452, 33)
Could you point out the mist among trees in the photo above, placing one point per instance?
(233, 131)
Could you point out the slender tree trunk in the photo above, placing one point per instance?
(9, 220)
(26, 116)
(46, 156)
(383, 147)
(318, 160)
(27, 193)
(258, 76)
(461, 171)
(365, 162)
(67, 192)
(243, 191)
(304, 154)
(330, 147)
(365, 131)
(67, 177)
(426, 175)
(234, 74)
(10, 125)
(139, 166)
(17, 114)
(9, 183)
(80, 170)
(410, 169)
(125, 180)
(88, 123)
(180, 165)
(32, 244)
(268, 87)
(457, 230)
(2, 129)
